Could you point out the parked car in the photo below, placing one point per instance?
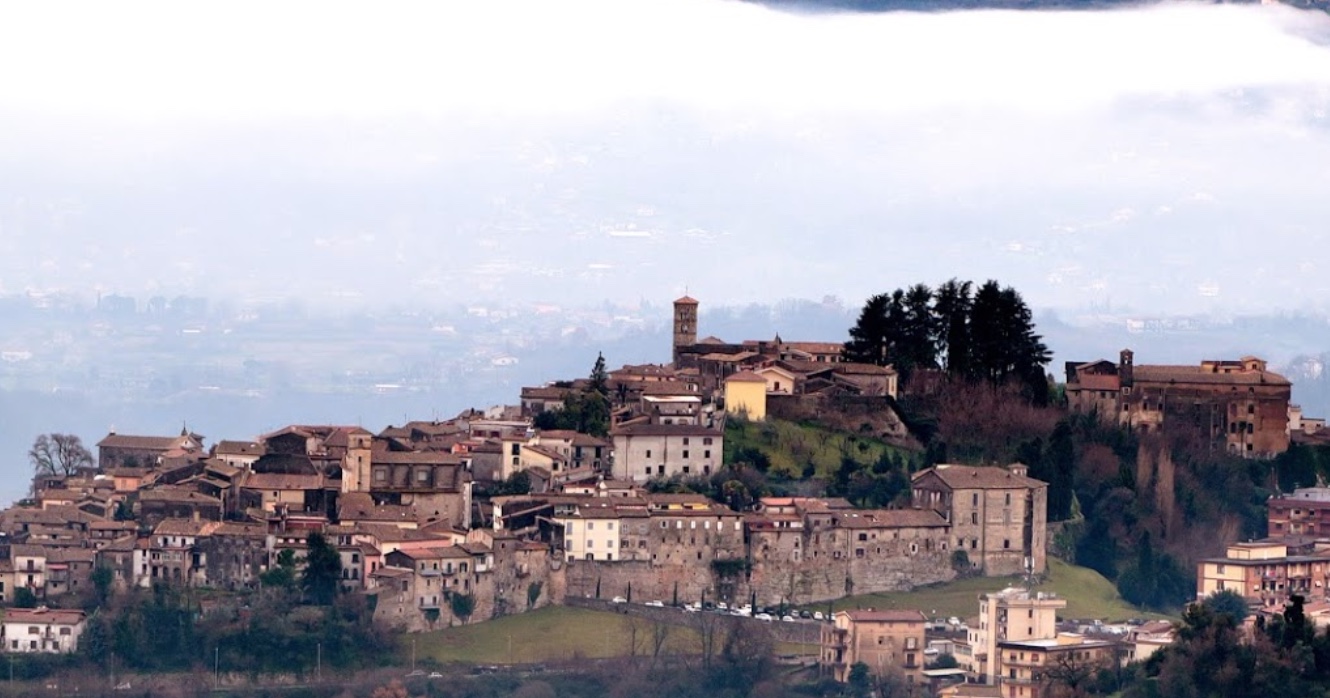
(618, 599)
(435, 675)
(763, 616)
(817, 615)
(787, 618)
(655, 604)
(805, 614)
(722, 606)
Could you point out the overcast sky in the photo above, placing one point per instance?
(1173, 157)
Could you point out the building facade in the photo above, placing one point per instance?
(888, 642)
(998, 516)
(1240, 404)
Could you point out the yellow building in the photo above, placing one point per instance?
(746, 395)
(1031, 668)
(888, 642)
(1012, 614)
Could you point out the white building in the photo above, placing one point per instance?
(42, 629)
(646, 451)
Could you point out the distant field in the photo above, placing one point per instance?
(1088, 595)
(551, 634)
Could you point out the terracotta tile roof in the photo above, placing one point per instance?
(686, 300)
(545, 393)
(179, 527)
(729, 358)
(815, 347)
(863, 615)
(145, 443)
(282, 481)
(667, 388)
(665, 430)
(172, 494)
(745, 377)
(416, 458)
(889, 518)
(1146, 373)
(60, 616)
(856, 369)
(238, 448)
(970, 477)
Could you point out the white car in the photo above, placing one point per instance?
(618, 599)
(763, 616)
(691, 608)
(787, 619)
(655, 604)
(817, 615)
(722, 606)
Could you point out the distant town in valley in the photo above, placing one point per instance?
(769, 481)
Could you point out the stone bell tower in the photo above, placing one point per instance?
(685, 325)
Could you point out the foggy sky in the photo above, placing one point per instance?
(1169, 157)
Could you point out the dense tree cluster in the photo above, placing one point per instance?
(1214, 656)
(981, 334)
(586, 410)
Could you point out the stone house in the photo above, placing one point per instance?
(998, 516)
(124, 450)
(1240, 404)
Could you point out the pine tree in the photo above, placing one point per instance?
(916, 333)
(599, 377)
(951, 307)
(870, 335)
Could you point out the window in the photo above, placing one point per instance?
(974, 517)
(1008, 499)
(685, 442)
(422, 476)
(590, 525)
(974, 499)
(1006, 544)
(609, 525)
(648, 453)
(685, 454)
(706, 441)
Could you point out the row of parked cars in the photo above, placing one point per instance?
(745, 611)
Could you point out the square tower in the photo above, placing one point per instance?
(685, 325)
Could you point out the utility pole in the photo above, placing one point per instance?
(216, 667)
(318, 670)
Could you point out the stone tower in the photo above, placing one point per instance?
(1124, 368)
(685, 325)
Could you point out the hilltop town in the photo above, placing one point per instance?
(568, 496)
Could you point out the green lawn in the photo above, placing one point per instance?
(1088, 595)
(550, 634)
(561, 632)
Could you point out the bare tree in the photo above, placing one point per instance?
(708, 627)
(635, 628)
(59, 454)
(1070, 676)
(660, 634)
